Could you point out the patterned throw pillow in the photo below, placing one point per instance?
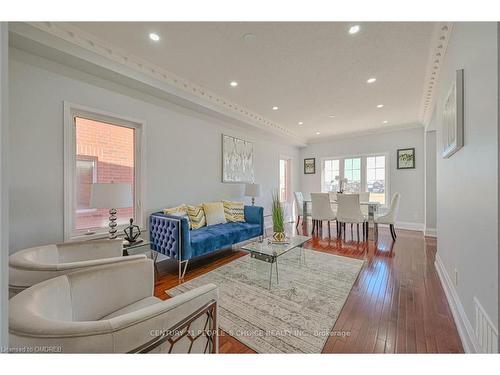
(214, 213)
(196, 216)
(234, 211)
(180, 211)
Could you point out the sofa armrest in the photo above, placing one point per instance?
(170, 236)
(152, 326)
(255, 215)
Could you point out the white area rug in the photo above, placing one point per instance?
(296, 315)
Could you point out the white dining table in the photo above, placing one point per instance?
(372, 208)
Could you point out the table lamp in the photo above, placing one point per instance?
(252, 190)
(111, 196)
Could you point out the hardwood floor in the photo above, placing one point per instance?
(397, 304)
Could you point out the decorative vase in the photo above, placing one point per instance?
(279, 236)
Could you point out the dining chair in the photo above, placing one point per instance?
(333, 196)
(321, 210)
(349, 211)
(364, 197)
(389, 217)
(299, 201)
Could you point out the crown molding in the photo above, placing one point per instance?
(361, 133)
(439, 45)
(189, 90)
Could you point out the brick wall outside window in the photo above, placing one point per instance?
(110, 150)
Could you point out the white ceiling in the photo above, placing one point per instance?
(309, 70)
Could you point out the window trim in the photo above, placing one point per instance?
(71, 110)
(288, 182)
(364, 184)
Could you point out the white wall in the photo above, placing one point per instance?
(409, 183)
(467, 183)
(183, 148)
(4, 187)
(430, 183)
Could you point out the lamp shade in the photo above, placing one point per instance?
(111, 195)
(252, 190)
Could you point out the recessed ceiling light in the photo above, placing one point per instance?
(371, 80)
(154, 37)
(234, 83)
(318, 133)
(385, 122)
(331, 116)
(301, 123)
(275, 108)
(354, 29)
(380, 106)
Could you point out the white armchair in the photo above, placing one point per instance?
(349, 211)
(321, 209)
(389, 217)
(30, 266)
(111, 309)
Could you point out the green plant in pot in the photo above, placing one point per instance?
(278, 215)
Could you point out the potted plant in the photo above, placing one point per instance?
(278, 216)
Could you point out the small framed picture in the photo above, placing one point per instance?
(310, 166)
(406, 158)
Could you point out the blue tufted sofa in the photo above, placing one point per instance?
(170, 235)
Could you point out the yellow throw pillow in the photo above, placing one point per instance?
(196, 216)
(234, 211)
(214, 213)
(180, 210)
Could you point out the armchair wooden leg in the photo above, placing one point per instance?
(393, 232)
(329, 231)
(357, 230)
(376, 232)
(298, 221)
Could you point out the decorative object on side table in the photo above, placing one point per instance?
(453, 117)
(342, 183)
(111, 196)
(406, 158)
(132, 233)
(237, 160)
(278, 216)
(310, 166)
(252, 190)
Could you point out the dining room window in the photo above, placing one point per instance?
(352, 171)
(331, 169)
(375, 178)
(364, 173)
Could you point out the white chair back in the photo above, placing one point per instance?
(299, 201)
(393, 209)
(321, 208)
(364, 197)
(333, 196)
(348, 209)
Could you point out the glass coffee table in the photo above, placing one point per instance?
(269, 252)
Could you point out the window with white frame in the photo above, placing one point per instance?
(364, 173)
(375, 178)
(284, 182)
(331, 169)
(99, 148)
(352, 171)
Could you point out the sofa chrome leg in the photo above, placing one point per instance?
(182, 272)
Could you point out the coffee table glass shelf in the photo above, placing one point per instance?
(268, 251)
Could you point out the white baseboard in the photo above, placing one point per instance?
(430, 232)
(407, 226)
(465, 330)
